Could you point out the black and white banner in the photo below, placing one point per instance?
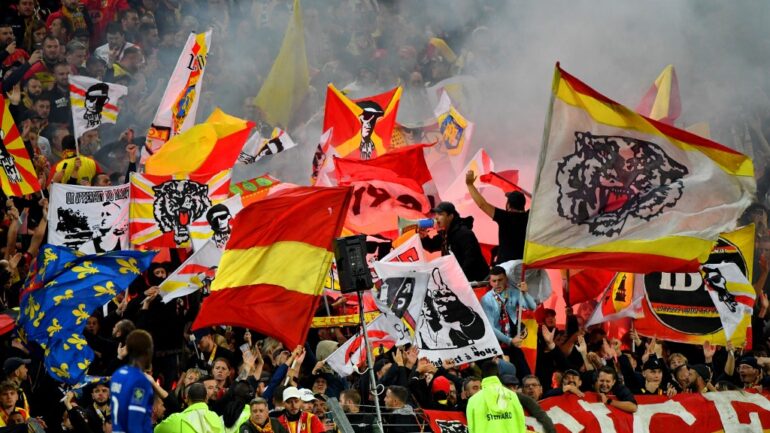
(449, 323)
(90, 219)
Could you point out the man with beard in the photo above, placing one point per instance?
(612, 393)
(294, 419)
(98, 414)
(43, 69)
(209, 351)
(350, 400)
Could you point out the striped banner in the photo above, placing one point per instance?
(164, 207)
(93, 103)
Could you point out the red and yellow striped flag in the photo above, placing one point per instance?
(17, 174)
(271, 275)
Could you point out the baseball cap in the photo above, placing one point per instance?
(11, 364)
(571, 372)
(509, 380)
(653, 364)
(306, 395)
(200, 333)
(445, 207)
(291, 392)
(703, 371)
(749, 360)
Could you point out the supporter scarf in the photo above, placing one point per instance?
(505, 322)
(268, 428)
(76, 18)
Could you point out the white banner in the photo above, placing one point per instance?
(177, 109)
(196, 272)
(90, 219)
(384, 332)
(93, 103)
(450, 323)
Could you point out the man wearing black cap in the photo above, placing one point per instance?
(455, 235)
(368, 118)
(511, 222)
(700, 378)
(750, 373)
(651, 380)
(15, 370)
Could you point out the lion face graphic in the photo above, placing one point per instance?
(611, 178)
(177, 204)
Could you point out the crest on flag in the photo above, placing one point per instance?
(163, 208)
(90, 219)
(93, 102)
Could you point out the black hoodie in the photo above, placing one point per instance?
(460, 240)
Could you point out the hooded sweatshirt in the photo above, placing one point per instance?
(495, 409)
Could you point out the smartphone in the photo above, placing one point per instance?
(245, 347)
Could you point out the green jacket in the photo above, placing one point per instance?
(495, 409)
(195, 419)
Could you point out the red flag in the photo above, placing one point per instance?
(385, 188)
(362, 127)
(271, 274)
(587, 284)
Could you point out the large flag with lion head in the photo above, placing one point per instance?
(623, 192)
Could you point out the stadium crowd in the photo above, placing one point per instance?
(228, 379)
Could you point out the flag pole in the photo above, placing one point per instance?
(566, 288)
(521, 299)
(370, 364)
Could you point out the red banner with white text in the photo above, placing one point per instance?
(728, 412)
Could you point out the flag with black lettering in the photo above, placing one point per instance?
(90, 219)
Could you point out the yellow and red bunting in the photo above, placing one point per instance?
(273, 268)
(148, 207)
(662, 101)
(341, 113)
(713, 185)
(25, 181)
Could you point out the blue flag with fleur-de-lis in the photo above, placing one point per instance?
(62, 289)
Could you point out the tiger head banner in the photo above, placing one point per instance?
(93, 103)
(362, 127)
(90, 219)
(17, 174)
(679, 306)
(164, 207)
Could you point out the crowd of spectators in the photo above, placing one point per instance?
(227, 379)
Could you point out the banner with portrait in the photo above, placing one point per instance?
(90, 219)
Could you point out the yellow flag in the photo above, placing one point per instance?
(288, 80)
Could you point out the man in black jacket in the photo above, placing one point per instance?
(456, 236)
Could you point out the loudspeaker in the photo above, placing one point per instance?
(405, 224)
(352, 269)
